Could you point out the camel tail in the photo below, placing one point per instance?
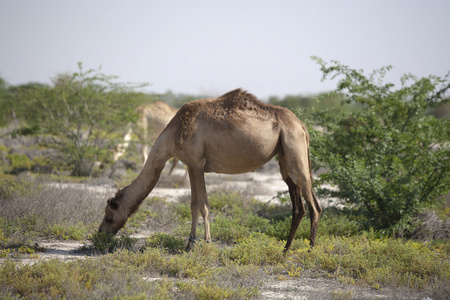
(316, 202)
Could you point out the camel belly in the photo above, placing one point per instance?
(214, 166)
(230, 147)
(238, 153)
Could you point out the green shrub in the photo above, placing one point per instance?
(225, 201)
(64, 231)
(183, 211)
(338, 225)
(197, 263)
(220, 200)
(26, 226)
(227, 229)
(19, 161)
(40, 162)
(170, 243)
(389, 159)
(10, 185)
(25, 130)
(104, 242)
(257, 249)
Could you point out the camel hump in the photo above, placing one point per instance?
(157, 110)
(238, 95)
(239, 100)
(236, 105)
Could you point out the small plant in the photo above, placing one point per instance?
(170, 243)
(19, 161)
(35, 129)
(228, 229)
(66, 232)
(225, 201)
(257, 249)
(10, 185)
(104, 242)
(26, 250)
(4, 252)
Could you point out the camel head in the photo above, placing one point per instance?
(115, 217)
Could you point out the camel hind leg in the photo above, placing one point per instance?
(298, 211)
(295, 167)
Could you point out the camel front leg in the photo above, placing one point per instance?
(199, 204)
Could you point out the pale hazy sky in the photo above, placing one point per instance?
(210, 47)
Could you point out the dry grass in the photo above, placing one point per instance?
(431, 227)
(35, 207)
(68, 203)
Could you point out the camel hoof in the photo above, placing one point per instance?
(190, 244)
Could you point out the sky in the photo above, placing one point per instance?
(210, 47)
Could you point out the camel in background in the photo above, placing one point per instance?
(232, 134)
(152, 119)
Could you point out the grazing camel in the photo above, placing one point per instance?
(232, 134)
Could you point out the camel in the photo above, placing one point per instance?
(152, 119)
(232, 134)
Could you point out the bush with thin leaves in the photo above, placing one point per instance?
(389, 159)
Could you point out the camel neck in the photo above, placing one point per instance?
(135, 193)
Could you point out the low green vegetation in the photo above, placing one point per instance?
(247, 250)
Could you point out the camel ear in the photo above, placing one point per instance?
(112, 203)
